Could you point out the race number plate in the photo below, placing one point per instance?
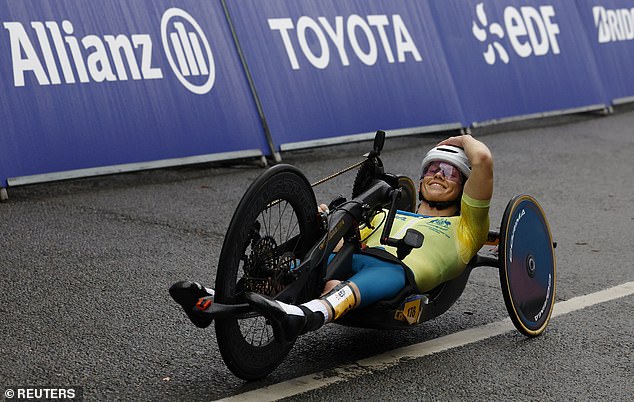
(412, 308)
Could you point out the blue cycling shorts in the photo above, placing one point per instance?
(376, 279)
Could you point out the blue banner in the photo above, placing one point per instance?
(333, 68)
(610, 28)
(85, 85)
(516, 57)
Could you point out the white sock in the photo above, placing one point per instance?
(291, 309)
(317, 306)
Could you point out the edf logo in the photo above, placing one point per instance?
(530, 31)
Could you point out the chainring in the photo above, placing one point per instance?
(363, 179)
(266, 272)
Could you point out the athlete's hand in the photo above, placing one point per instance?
(323, 209)
(457, 141)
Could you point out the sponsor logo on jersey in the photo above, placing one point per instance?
(439, 225)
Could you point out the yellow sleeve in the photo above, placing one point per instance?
(474, 226)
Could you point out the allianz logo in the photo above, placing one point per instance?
(55, 53)
(613, 25)
(530, 31)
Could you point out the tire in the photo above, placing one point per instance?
(279, 206)
(409, 194)
(528, 266)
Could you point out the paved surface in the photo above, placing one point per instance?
(85, 267)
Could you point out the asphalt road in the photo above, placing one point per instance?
(85, 267)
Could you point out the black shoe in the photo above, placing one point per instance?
(286, 327)
(188, 294)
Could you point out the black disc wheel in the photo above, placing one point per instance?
(273, 227)
(527, 265)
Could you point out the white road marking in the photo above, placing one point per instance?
(388, 359)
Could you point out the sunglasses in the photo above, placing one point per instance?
(449, 171)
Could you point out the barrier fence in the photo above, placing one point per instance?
(516, 58)
(122, 85)
(126, 85)
(609, 26)
(330, 68)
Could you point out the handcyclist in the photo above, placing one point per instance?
(455, 188)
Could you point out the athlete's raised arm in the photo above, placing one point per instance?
(480, 183)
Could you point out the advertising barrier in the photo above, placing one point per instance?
(91, 88)
(518, 58)
(610, 28)
(332, 70)
(94, 88)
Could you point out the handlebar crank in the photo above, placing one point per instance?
(412, 239)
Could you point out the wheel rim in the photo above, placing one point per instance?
(528, 265)
(274, 223)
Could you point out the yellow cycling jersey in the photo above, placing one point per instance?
(450, 242)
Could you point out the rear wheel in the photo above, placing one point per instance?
(272, 228)
(527, 265)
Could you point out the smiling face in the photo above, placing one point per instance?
(438, 189)
(441, 182)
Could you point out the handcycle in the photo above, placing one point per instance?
(278, 244)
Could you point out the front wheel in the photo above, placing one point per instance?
(273, 227)
(527, 265)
